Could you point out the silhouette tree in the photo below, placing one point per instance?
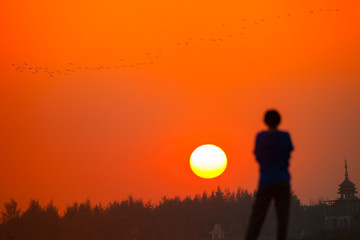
(172, 218)
(11, 212)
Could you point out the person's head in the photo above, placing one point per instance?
(272, 118)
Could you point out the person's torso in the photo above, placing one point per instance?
(273, 153)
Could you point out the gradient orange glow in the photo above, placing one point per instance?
(102, 99)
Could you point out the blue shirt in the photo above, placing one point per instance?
(272, 151)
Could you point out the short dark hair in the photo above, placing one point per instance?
(272, 118)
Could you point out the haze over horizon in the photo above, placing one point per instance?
(105, 99)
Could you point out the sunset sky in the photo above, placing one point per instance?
(103, 99)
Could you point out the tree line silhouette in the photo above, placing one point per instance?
(170, 219)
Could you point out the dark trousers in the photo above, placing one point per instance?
(280, 192)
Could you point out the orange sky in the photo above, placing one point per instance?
(172, 75)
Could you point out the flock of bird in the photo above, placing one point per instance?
(150, 56)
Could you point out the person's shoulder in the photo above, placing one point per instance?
(261, 133)
(282, 132)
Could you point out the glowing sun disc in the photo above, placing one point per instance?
(208, 161)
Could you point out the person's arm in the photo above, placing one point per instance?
(291, 147)
(257, 146)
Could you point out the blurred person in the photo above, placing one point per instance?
(272, 152)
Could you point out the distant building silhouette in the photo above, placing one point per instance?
(217, 233)
(343, 213)
(347, 189)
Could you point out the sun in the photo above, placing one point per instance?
(208, 161)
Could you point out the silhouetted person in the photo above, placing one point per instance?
(272, 152)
